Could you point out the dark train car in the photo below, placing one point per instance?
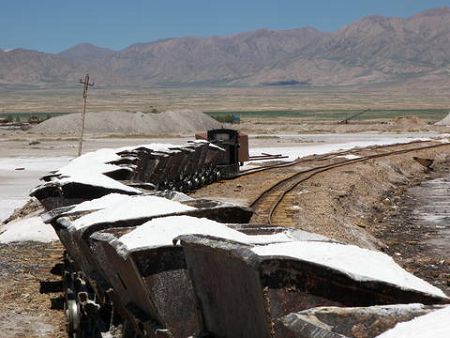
(235, 145)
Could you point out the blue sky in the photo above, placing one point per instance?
(54, 25)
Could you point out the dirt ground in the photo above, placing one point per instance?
(357, 204)
(299, 126)
(30, 297)
(227, 99)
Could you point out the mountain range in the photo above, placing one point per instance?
(372, 51)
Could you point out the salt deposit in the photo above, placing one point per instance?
(131, 208)
(162, 231)
(444, 122)
(431, 325)
(27, 229)
(99, 203)
(294, 152)
(96, 161)
(114, 122)
(359, 264)
(98, 181)
(89, 169)
(16, 184)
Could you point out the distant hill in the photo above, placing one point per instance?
(373, 50)
(86, 52)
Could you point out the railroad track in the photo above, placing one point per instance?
(270, 199)
(323, 157)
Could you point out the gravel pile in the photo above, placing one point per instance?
(113, 122)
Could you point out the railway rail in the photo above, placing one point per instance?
(270, 199)
(323, 157)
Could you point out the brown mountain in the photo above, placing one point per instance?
(30, 68)
(86, 52)
(370, 51)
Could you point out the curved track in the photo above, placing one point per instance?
(270, 199)
(323, 157)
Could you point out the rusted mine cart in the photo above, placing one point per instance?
(248, 292)
(144, 260)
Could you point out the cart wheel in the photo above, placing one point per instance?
(72, 318)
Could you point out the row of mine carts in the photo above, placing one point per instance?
(145, 260)
(146, 168)
(155, 266)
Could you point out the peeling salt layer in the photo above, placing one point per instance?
(131, 208)
(431, 325)
(359, 264)
(162, 232)
(28, 229)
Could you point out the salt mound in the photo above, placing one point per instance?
(114, 122)
(444, 122)
(409, 121)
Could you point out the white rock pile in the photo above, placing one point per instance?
(128, 123)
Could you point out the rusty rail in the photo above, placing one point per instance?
(288, 184)
(323, 157)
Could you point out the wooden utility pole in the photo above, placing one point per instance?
(86, 86)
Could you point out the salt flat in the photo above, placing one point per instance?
(16, 184)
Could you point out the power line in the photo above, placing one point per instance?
(86, 86)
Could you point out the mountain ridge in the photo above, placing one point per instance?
(372, 50)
